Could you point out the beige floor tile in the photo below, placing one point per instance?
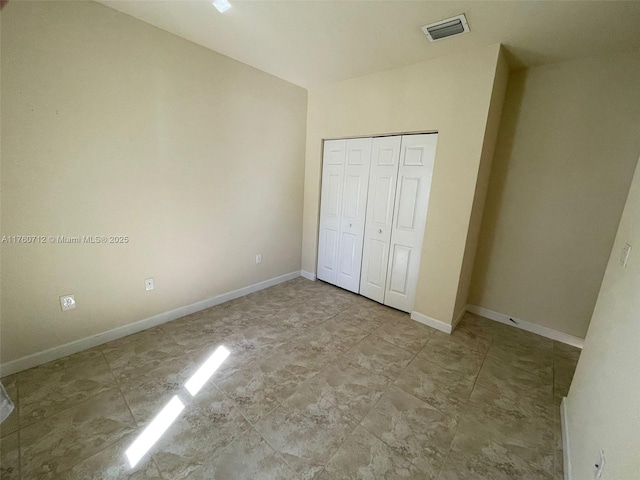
(247, 457)
(538, 362)
(477, 458)
(405, 333)
(135, 354)
(50, 388)
(441, 388)
(558, 467)
(10, 457)
(197, 333)
(56, 444)
(297, 318)
(147, 393)
(378, 355)
(563, 371)
(308, 362)
(487, 400)
(261, 386)
(337, 335)
(324, 475)
(469, 333)
(511, 337)
(413, 429)
(530, 439)
(306, 430)
(351, 388)
(363, 456)
(560, 390)
(241, 353)
(453, 356)
(369, 315)
(515, 383)
(112, 464)
(208, 423)
(566, 353)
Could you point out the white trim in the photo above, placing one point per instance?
(308, 275)
(528, 326)
(456, 320)
(566, 446)
(431, 322)
(60, 351)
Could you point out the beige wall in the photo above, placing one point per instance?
(484, 173)
(113, 127)
(564, 159)
(450, 95)
(603, 408)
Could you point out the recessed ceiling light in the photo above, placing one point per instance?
(222, 5)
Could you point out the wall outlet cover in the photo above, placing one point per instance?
(599, 465)
(624, 257)
(67, 302)
(148, 284)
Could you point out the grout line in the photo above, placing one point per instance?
(155, 463)
(189, 403)
(359, 423)
(449, 450)
(457, 420)
(109, 445)
(514, 401)
(277, 452)
(356, 423)
(516, 366)
(119, 387)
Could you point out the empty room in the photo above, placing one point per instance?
(320, 239)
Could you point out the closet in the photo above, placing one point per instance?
(373, 209)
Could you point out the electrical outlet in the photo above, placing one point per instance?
(258, 258)
(148, 284)
(624, 257)
(599, 466)
(67, 302)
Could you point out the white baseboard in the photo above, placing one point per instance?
(308, 275)
(566, 446)
(76, 346)
(431, 322)
(528, 326)
(456, 320)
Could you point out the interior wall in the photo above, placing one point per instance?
(112, 127)
(564, 160)
(482, 185)
(450, 95)
(603, 400)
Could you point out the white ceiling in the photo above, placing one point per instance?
(313, 42)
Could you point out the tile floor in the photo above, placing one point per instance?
(320, 383)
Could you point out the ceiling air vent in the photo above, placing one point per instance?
(446, 28)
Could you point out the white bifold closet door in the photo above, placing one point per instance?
(413, 187)
(345, 181)
(385, 155)
(374, 201)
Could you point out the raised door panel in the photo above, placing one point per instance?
(410, 214)
(333, 164)
(385, 157)
(356, 185)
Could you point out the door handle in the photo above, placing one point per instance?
(379, 230)
(350, 225)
